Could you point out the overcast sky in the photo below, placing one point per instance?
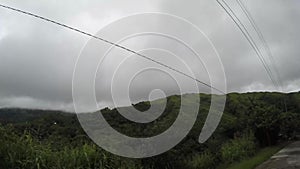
(37, 59)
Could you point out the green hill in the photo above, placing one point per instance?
(54, 139)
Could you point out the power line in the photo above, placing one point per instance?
(266, 46)
(261, 37)
(111, 43)
(248, 37)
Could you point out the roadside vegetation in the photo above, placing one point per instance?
(253, 127)
(261, 156)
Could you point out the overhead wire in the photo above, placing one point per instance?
(248, 37)
(261, 37)
(265, 44)
(111, 43)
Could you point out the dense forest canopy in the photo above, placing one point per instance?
(55, 139)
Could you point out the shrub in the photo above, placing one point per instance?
(238, 149)
(27, 152)
(204, 160)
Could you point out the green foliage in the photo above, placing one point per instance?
(53, 139)
(239, 148)
(26, 152)
(261, 156)
(289, 121)
(204, 160)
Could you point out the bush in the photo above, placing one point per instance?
(238, 149)
(205, 160)
(27, 152)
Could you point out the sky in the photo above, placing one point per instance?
(38, 59)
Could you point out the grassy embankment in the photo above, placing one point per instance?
(260, 157)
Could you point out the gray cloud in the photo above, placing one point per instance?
(37, 59)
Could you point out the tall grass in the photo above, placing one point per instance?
(204, 160)
(26, 152)
(260, 157)
(238, 149)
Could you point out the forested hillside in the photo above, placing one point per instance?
(54, 139)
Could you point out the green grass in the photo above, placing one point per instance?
(262, 155)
